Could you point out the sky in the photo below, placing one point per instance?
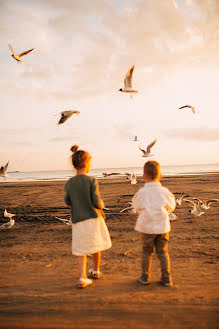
(82, 52)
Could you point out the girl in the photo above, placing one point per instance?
(89, 231)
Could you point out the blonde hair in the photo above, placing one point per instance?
(79, 158)
(152, 169)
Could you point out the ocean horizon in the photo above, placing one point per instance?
(62, 175)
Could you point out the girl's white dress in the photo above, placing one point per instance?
(90, 236)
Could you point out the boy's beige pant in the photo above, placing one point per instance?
(160, 242)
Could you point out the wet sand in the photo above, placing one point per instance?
(38, 281)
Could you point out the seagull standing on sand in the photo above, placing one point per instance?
(206, 205)
(18, 56)
(196, 211)
(65, 115)
(147, 152)
(128, 82)
(188, 106)
(65, 221)
(133, 178)
(11, 221)
(3, 170)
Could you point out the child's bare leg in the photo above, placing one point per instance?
(96, 259)
(82, 262)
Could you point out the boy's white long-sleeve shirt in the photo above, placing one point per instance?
(153, 202)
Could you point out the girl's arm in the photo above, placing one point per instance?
(95, 195)
(67, 197)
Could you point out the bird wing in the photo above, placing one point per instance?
(6, 166)
(190, 202)
(25, 52)
(64, 117)
(141, 150)
(128, 78)
(76, 112)
(208, 202)
(199, 201)
(150, 145)
(10, 47)
(5, 213)
(126, 209)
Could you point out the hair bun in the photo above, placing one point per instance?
(74, 148)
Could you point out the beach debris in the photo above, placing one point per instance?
(18, 56)
(172, 216)
(128, 82)
(65, 115)
(206, 204)
(65, 221)
(179, 200)
(3, 170)
(147, 152)
(110, 174)
(196, 211)
(188, 106)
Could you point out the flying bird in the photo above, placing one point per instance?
(188, 106)
(206, 205)
(128, 82)
(3, 170)
(65, 115)
(18, 56)
(136, 139)
(179, 201)
(196, 211)
(147, 152)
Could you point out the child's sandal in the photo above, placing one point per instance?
(83, 283)
(94, 274)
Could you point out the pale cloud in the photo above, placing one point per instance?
(200, 134)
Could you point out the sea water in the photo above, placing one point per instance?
(62, 175)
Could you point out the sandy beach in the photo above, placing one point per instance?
(38, 282)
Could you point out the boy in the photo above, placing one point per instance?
(154, 202)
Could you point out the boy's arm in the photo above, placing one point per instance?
(137, 202)
(171, 203)
(95, 195)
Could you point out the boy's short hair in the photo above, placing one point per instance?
(152, 169)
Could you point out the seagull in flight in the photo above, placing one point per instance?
(3, 170)
(196, 211)
(206, 205)
(128, 82)
(179, 201)
(147, 152)
(188, 106)
(18, 56)
(65, 115)
(136, 139)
